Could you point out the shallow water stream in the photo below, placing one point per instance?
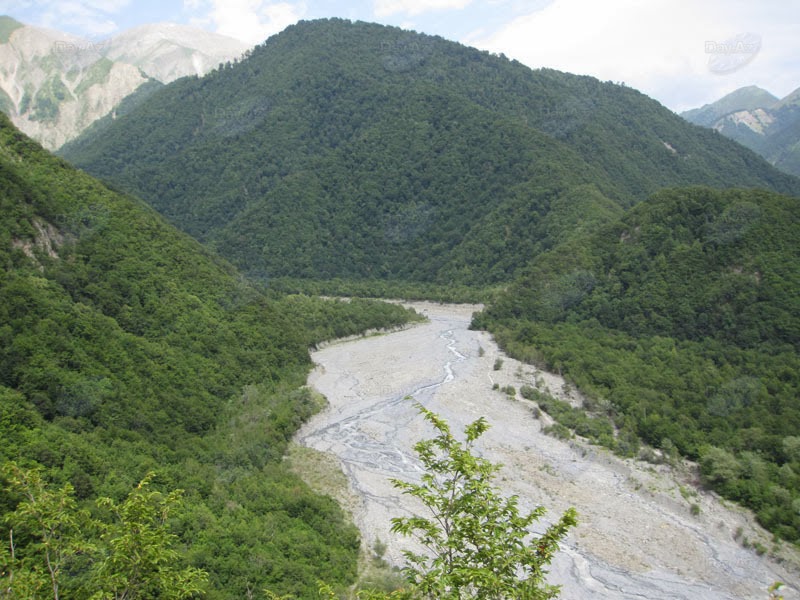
(637, 536)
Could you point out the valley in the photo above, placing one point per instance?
(171, 279)
(638, 534)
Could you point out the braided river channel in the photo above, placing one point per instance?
(638, 536)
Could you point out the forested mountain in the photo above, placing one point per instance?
(757, 119)
(681, 321)
(353, 150)
(364, 152)
(127, 347)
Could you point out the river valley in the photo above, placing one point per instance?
(638, 536)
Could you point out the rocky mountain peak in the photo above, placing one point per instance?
(167, 51)
(53, 85)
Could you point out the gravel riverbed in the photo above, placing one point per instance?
(637, 535)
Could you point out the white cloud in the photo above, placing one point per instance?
(94, 18)
(657, 46)
(385, 8)
(251, 21)
(107, 6)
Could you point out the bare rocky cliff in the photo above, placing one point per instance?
(166, 51)
(54, 85)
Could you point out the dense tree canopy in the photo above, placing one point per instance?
(126, 347)
(682, 320)
(356, 156)
(358, 151)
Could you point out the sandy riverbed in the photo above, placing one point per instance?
(637, 536)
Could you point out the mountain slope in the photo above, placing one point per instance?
(126, 347)
(747, 98)
(167, 51)
(688, 263)
(683, 322)
(354, 150)
(53, 85)
(759, 121)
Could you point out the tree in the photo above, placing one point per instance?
(718, 466)
(480, 545)
(774, 591)
(54, 528)
(140, 561)
(132, 557)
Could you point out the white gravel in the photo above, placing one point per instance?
(636, 537)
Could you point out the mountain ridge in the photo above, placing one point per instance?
(341, 149)
(159, 50)
(758, 120)
(54, 85)
(681, 321)
(745, 98)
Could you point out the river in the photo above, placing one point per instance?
(637, 537)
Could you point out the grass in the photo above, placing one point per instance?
(323, 474)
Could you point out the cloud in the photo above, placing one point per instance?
(386, 8)
(659, 46)
(93, 18)
(251, 21)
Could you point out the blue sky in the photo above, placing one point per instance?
(683, 53)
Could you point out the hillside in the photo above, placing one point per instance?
(53, 85)
(681, 321)
(353, 150)
(128, 347)
(758, 120)
(747, 98)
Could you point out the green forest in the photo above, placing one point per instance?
(681, 322)
(159, 299)
(363, 152)
(127, 348)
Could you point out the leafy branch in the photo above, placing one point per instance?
(480, 545)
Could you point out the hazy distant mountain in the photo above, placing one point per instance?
(166, 51)
(751, 97)
(757, 119)
(358, 151)
(53, 85)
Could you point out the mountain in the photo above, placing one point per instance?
(758, 120)
(53, 85)
(127, 347)
(167, 51)
(747, 98)
(690, 264)
(354, 150)
(681, 320)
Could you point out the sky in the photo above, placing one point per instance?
(683, 53)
